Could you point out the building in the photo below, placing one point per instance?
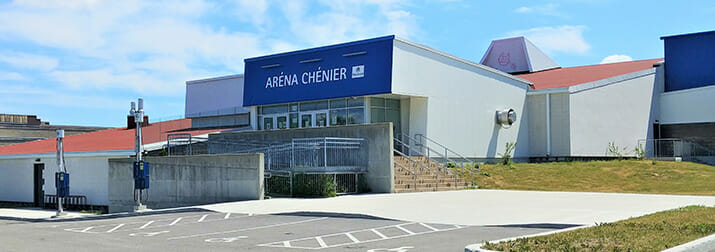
(28, 168)
(430, 99)
(24, 128)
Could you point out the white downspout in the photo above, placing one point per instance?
(548, 124)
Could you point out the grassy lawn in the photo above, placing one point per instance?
(652, 232)
(631, 176)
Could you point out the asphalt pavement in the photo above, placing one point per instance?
(201, 230)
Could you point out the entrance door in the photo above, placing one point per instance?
(39, 181)
(314, 119)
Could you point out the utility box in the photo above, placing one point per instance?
(62, 182)
(141, 175)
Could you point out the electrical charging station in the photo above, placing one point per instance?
(140, 167)
(62, 177)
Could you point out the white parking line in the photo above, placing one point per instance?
(354, 240)
(404, 229)
(146, 225)
(321, 242)
(175, 221)
(115, 228)
(139, 225)
(379, 234)
(247, 229)
(227, 215)
(428, 226)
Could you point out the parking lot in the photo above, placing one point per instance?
(196, 229)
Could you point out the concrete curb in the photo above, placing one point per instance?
(478, 246)
(704, 244)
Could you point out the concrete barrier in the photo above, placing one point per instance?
(188, 180)
(380, 175)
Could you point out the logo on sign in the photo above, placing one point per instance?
(358, 71)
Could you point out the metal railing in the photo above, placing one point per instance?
(414, 164)
(438, 156)
(345, 159)
(674, 147)
(449, 154)
(185, 144)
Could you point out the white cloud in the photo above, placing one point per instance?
(546, 9)
(616, 58)
(16, 95)
(30, 61)
(341, 21)
(154, 46)
(565, 39)
(12, 76)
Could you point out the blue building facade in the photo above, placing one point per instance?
(690, 60)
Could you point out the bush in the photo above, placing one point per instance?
(313, 185)
(450, 165)
(506, 157)
(640, 152)
(616, 151)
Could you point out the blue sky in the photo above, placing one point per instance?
(81, 62)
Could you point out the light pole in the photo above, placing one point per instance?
(62, 178)
(140, 168)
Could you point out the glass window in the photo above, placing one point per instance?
(274, 109)
(338, 116)
(356, 116)
(282, 122)
(393, 116)
(337, 103)
(294, 107)
(321, 119)
(293, 120)
(377, 115)
(306, 121)
(377, 102)
(307, 106)
(267, 122)
(356, 102)
(393, 104)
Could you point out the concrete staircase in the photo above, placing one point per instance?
(421, 174)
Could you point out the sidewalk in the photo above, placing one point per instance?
(480, 207)
(34, 213)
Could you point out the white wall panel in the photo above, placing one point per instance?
(619, 112)
(461, 99)
(688, 106)
(88, 177)
(213, 97)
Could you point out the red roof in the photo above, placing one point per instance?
(571, 76)
(105, 140)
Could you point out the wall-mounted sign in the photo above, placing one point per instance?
(345, 70)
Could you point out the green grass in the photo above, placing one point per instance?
(628, 176)
(653, 232)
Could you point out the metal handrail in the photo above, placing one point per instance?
(423, 154)
(414, 175)
(446, 157)
(422, 166)
(420, 136)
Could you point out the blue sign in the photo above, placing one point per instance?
(344, 70)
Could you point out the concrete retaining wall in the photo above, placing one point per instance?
(380, 175)
(189, 180)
